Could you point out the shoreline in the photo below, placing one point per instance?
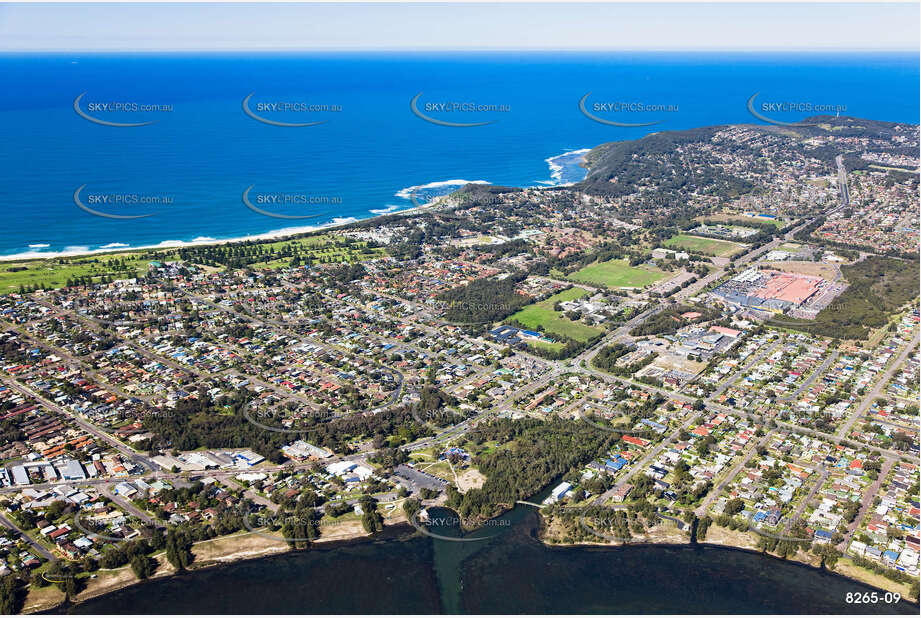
(72, 251)
(123, 578)
(796, 560)
(740, 541)
(113, 580)
(201, 241)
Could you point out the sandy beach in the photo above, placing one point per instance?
(213, 552)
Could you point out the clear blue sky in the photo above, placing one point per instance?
(100, 27)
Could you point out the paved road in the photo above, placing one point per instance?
(881, 383)
(398, 376)
(842, 181)
(447, 434)
(735, 375)
(867, 503)
(126, 505)
(84, 365)
(805, 501)
(812, 378)
(649, 457)
(694, 288)
(813, 432)
(573, 366)
(32, 542)
(257, 499)
(131, 455)
(718, 489)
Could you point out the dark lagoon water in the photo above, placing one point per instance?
(508, 571)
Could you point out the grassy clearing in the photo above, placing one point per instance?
(325, 248)
(725, 216)
(542, 317)
(55, 272)
(546, 345)
(890, 168)
(846, 567)
(238, 546)
(816, 269)
(706, 246)
(441, 469)
(617, 274)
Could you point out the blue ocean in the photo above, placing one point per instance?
(373, 133)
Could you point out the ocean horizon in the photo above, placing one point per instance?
(378, 136)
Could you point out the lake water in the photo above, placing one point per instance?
(509, 572)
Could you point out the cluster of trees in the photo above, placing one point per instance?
(533, 453)
(483, 300)
(179, 549)
(240, 255)
(669, 320)
(389, 458)
(432, 398)
(512, 247)
(201, 422)
(827, 553)
(590, 523)
(347, 273)
(12, 594)
(227, 519)
(607, 357)
(371, 519)
(337, 509)
(618, 168)
(700, 530)
(893, 574)
(626, 245)
(426, 493)
(87, 280)
(136, 553)
(687, 489)
(143, 566)
(783, 547)
(411, 506)
(629, 370)
(27, 289)
(63, 575)
(301, 527)
(475, 194)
